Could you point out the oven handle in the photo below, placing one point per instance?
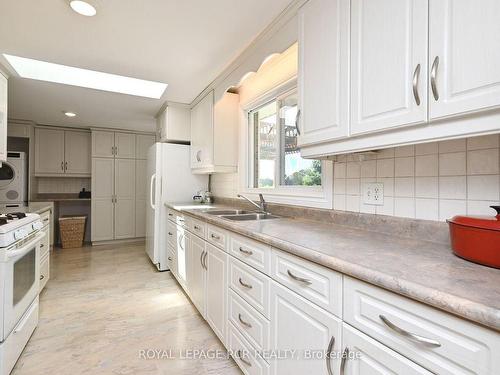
(27, 247)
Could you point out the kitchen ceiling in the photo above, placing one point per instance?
(185, 44)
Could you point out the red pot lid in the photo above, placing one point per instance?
(481, 222)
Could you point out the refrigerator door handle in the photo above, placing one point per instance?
(151, 191)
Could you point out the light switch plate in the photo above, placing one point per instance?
(373, 194)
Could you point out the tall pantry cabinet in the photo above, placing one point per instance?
(116, 178)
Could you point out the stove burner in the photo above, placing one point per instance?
(4, 219)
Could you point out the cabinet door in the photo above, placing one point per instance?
(177, 124)
(216, 263)
(3, 118)
(102, 199)
(49, 151)
(464, 52)
(196, 275)
(368, 357)
(103, 144)
(124, 198)
(142, 145)
(323, 70)
(125, 145)
(77, 153)
(202, 132)
(389, 57)
(314, 329)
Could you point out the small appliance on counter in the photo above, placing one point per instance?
(477, 238)
(204, 197)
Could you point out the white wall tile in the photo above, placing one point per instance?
(385, 168)
(353, 186)
(481, 207)
(427, 209)
(404, 187)
(405, 167)
(453, 164)
(454, 187)
(339, 202)
(404, 151)
(426, 148)
(387, 208)
(388, 186)
(483, 142)
(339, 170)
(426, 166)
(454, 145)
(426, 187)
(352, 203)
(484, 187)
(483, 162)
(404, 207)
(450, 208)
(353, 170)
(369, 168)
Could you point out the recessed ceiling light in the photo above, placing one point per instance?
(67, 75)
(70, 114)
(83, 8)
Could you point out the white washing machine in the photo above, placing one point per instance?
(13, 179)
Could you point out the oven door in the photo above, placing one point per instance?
(21, 274)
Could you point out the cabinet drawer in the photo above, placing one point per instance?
(45, 244)
(196, 226)
(244, 355)
(171, 234)
(217, 236)
(319, 285)
(438, 341)
(45, 218)
(172, 260)
(176, 217)
(368, 357)
(44, 271)
(171, 214)
(256, 254)
(251, 285)
(249, 322)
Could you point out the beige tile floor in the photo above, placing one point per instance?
(105, 304)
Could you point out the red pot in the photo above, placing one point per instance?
(477, 238)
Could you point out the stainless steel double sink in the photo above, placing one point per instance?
(241, 215)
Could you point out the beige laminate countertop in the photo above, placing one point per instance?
(424, 271)
(32, 207)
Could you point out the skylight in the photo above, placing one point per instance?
(67, 75)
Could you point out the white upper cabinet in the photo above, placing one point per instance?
(323, 78)
(62, 153)
(3, 117)
(388, 64)
(142, 144)
(77, 153)
(214, 134)
(174, 124)
(125, 145)
(464, 56)
(103, 144)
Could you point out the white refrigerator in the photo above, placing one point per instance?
(169, 180)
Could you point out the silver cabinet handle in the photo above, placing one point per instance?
(248, 286)
(301, 279)
(198, 156)
(66, 166)
(170, 215)
(201, 259)
(246, 252)
(197, 227)
(329, 352)
(345, 356)
(215, 236)
(205, 260)
(246, 324)
(170, 234)
(411, 336)
(297, 117)
(434, 69)
(416, 76)
(238, 354)
(42, 277)
(62, 166)
(169, 258)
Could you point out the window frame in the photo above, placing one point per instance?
(310, 196)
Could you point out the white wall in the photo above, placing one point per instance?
(432, 181)
(60, 185)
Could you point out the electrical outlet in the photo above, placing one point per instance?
(373, 194)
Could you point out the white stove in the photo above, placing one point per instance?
(17, 226)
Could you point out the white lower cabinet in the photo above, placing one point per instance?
(44, 271)
(216, 290)
(249, 360)
(196, 276)
(301, 331)
(365, 356)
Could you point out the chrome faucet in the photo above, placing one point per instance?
(262, 205)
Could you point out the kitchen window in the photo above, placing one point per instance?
(274, 166)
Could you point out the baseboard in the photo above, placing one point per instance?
(117, 242)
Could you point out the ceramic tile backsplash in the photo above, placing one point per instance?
(225, 185)
(58, 185)
(433, 181)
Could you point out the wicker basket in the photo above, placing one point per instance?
(72, 229)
